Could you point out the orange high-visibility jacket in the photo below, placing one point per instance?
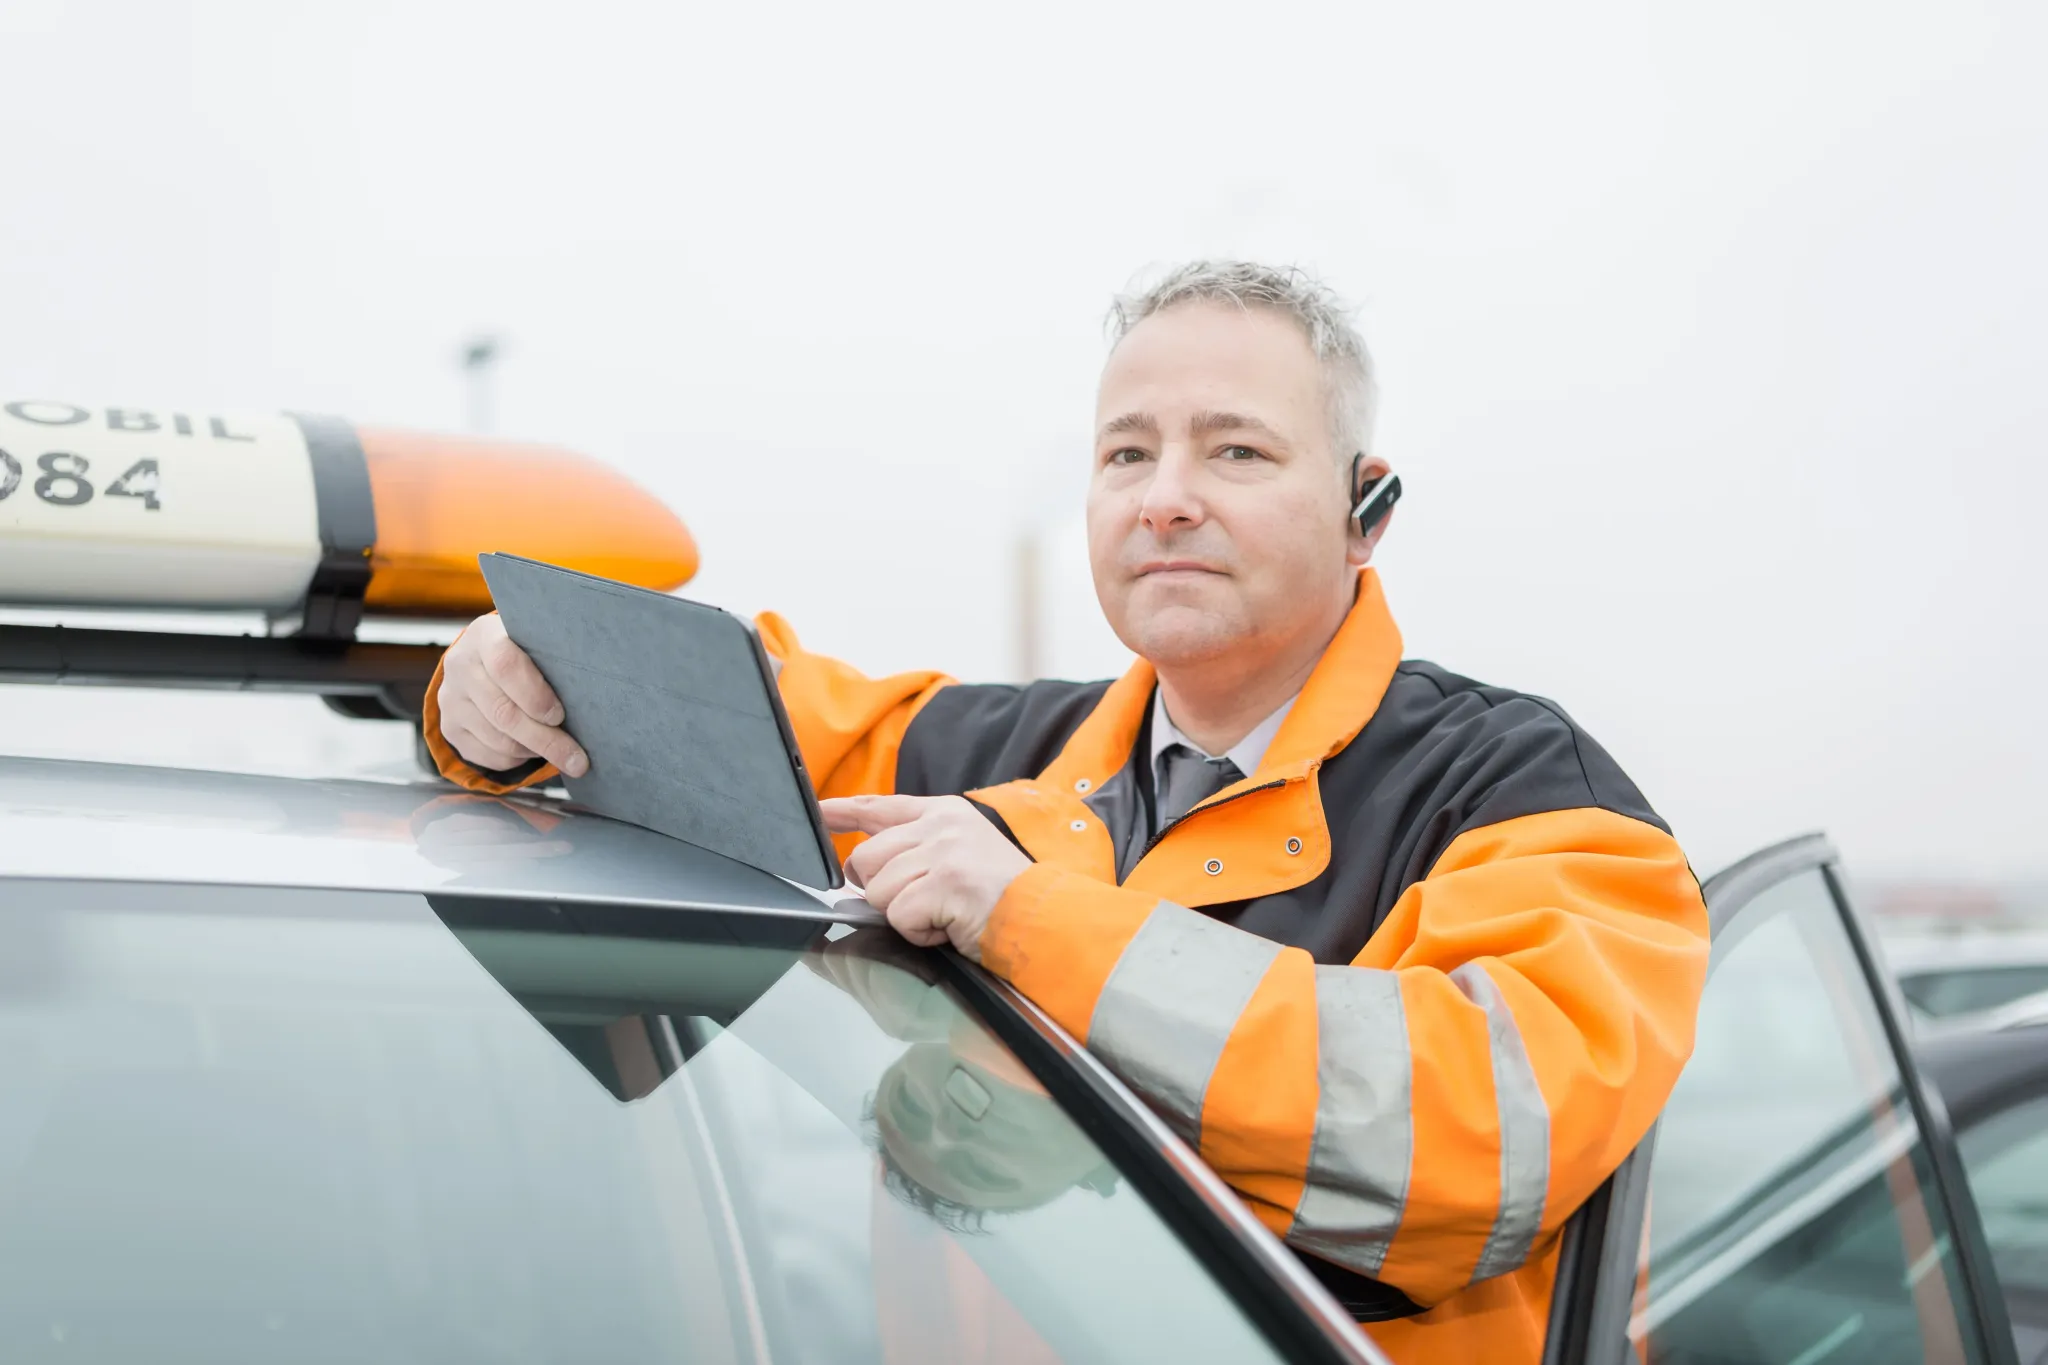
(1414, 988)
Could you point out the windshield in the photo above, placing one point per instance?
(249, 1124)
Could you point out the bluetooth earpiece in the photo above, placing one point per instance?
(1375, 500)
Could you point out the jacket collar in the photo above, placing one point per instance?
(1051, 821)
(1339, 697)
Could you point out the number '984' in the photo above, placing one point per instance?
(61, 480)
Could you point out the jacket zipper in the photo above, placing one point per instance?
(1175, 823)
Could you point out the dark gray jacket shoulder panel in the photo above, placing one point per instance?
(1441, 756)
(975, 735)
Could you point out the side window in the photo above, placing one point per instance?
(1940, 994)
(1792, 1216)
(2006, 1156)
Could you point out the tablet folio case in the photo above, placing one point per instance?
(675, 703)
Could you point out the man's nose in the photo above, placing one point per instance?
(1171, 499)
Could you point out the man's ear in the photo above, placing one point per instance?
(1366, 472)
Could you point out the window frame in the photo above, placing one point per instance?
(1283, 1299)
(1597, 1265)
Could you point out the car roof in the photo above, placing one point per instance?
(103, 821)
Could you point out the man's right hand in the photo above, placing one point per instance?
(496, 709)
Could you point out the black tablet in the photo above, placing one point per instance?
(676, 704)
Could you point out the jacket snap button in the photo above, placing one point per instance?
(1294, 845)
(1083, 785)
(1213, 866)
(1078, 826)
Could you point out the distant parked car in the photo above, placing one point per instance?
(1949, 978)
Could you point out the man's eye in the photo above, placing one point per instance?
(1241, 453)
(1128, 455)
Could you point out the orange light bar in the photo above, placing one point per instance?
(443, 500)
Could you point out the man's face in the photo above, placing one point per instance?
(1217, 510)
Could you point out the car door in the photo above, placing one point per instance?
(1994, 1081)
(2005, 1151)
(1800, 1201)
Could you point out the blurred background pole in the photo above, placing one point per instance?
(479, 363)
(1030, 624)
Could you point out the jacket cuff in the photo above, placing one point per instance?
(1056, 935)
(459, 771)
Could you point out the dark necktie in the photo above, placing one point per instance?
(1186, 779)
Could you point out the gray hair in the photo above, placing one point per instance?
(1322, 316)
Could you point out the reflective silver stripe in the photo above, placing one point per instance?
(1169, 1006)
(1524, 1130)
(1365, 1133)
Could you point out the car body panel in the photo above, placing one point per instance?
(116, 822)
(1984, 1070)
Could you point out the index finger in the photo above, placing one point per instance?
(512, 669)
(872, 814)
(552, 743)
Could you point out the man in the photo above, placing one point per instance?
(1406, 957)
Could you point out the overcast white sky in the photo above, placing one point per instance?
(1711, 336)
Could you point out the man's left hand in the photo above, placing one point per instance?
(933, 864)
